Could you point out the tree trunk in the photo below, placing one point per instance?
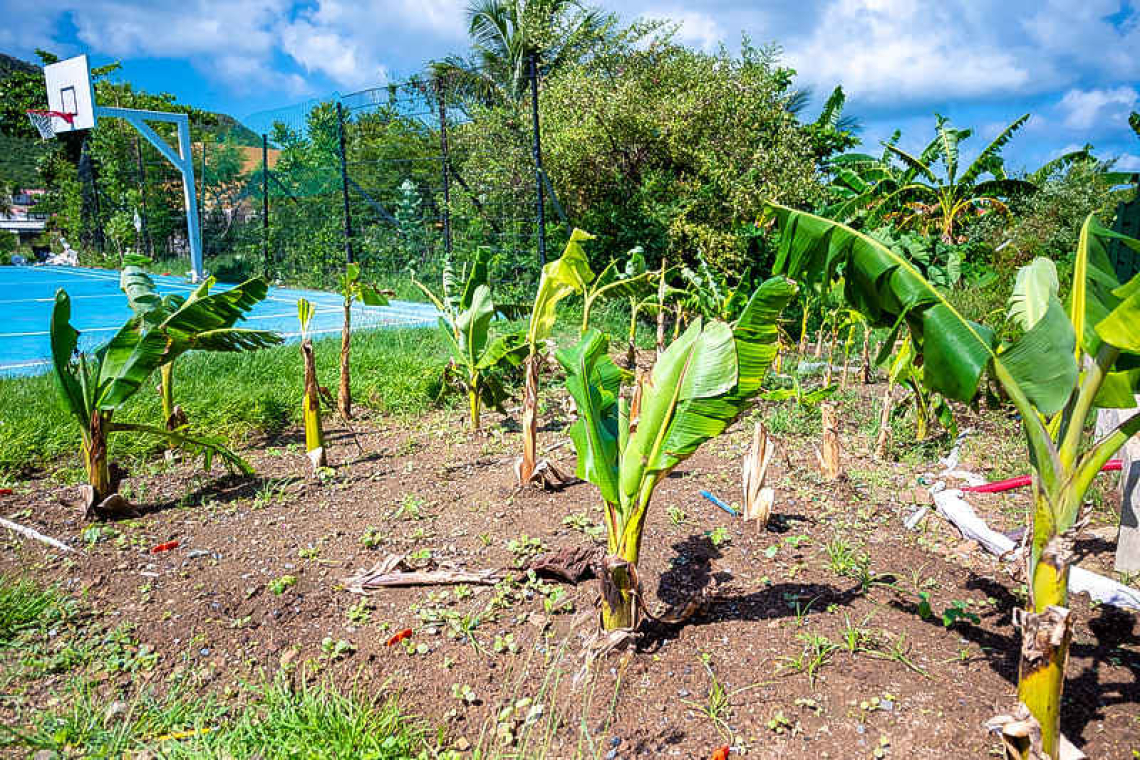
(819, 341)
(311, 409)
(344, 397)
(803, 328)
(867, 377)
(846, 356)
(529, 420)
(95, 456)
(166, 389)
(631, 349)
(618, 609)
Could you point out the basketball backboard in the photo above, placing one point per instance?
(69, 90)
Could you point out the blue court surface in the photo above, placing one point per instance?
(99, 308)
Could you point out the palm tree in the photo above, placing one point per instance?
(505, 34)
(911, 190)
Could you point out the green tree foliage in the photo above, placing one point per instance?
(675, 149)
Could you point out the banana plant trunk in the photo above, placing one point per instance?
(344, 397)
(803, 328)
(1046, 626)
(166, 389)
(631, 349)
(311, 409)
(831, 353)
(529, 419)
(618, 593)
(867, 377)
(473, 406)
(95, 455)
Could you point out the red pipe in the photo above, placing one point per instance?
(1020, 482)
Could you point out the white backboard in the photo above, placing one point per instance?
(69, 90)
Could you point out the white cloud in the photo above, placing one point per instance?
(697, 29)
(1088, 109)
(895, 51)
(1127, 162)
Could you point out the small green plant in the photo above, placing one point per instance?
(359, 613)
(524, 547)
(336, 649)
(582, 523)
(464, 693)
(505, 644)
(677, 516)
(719, 536)
(411, 508)
(280, 585)
(957, 611)
(816, 652)
(780, 723)
(371, 537)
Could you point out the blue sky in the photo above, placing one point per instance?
(1073, 64)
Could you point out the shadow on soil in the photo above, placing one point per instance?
(1086, 693)
(694, 569)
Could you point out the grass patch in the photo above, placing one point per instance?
(24, 607)
(232, 395)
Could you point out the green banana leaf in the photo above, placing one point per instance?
(594, 381)
(568, 274)
(888, 290)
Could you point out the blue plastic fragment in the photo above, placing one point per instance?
(720, 503)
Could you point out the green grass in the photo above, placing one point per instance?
(87, 717)
(24, 607)
(233, 395)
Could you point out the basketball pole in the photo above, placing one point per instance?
(183, 160)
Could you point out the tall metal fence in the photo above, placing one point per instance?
(396, 178)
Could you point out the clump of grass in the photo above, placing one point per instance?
(24, 606)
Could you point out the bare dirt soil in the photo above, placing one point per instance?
(826, 638)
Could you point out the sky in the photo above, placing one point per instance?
(1073, 64)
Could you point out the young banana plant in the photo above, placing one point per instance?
(1069, 360)
(698, 387)
(311, 399)
(353, 289)
(568, 274)
(94, 387)
(633, 282)
(465, 324)
(225, 310)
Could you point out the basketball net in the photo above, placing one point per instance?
(42, 121)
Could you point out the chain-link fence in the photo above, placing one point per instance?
(396, 178)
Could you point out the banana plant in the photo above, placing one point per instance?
(353, 289)
(626, 446)
(465, 324)
(570, 273)
(311, 398)
(633, 281)
(1069, 360)
(905, 370)
(711, 296)
(94, 387)
(225, 309)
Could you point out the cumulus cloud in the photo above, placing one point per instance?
(892, 51)
(1087, 109)
(700, 30)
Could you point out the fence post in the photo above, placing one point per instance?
(443, 166)
(265, 205)
(538, 189)
(344, 184)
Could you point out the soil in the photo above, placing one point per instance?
(913, 688)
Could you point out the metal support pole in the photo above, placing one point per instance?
(538, 188)
(344, 184)
(265, 205)
(444, 169)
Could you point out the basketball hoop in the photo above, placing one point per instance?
(42, 121)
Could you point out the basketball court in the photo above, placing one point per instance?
(99, 308)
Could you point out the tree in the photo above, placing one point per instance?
(506, 34)
(926, 191)
(658, 145)
(1099, 331)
